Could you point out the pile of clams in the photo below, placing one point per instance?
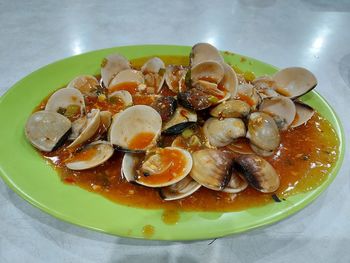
(180, 142)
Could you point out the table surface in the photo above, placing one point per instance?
(308, 33)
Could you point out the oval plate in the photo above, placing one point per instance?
(34, 180)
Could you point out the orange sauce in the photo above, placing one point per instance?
(129, 86)
(84, 155)
(141, 140)
(303, 161)
(148, 231)
(170, 217)
(246, 99)
(173, 161)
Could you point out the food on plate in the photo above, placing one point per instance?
(199, 134)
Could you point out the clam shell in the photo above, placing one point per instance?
(179, 190)
(127, 76)
(124, 96)
(211, 70)
(175, 78)
(211, 168)
(181, 120)
(102, 151)
(294, 82)
(303, 114)
(63, 98)
(258, 172)
(263, 131)
(132, 122)
(87, 85)
(222, 132)
(230, 80)
(47, 130)
(248, 91)
(231, 109)
(282, 109)
(236, 184)
(105, 119)
(111, 66)
(152, 165)
(91, 126)
(153, 65)
(203, 52)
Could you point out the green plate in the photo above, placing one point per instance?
(34, 180)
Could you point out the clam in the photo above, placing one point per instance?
(111, 66)
(137, 128)
(88, 129)
(229, 81)
(236, 184)
(88, 85)
(303, 113)
(154, 72)
(47, 130)
(211, 71)
(68, 101)
(195, 99)
(258, 172)
(222, 132)
(231, 109)
(159, 168)
(165, 106)
(175, 78)
(105, 119)
(181, 120)
(294, 82)
(211, 168)
(249, 94)
(265, 86)
(179, 190)
(203, 52)
(212, 89)
(282, 109)
(123, 96)
(263, 131)
(92, 155)
(127, 77)
(77, 127)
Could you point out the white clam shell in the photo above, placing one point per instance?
(175, 77)
(303, 114)
(236, 184)
(91, 126)
(128, 75)
(153, 65)
(282, 109)
(207, 70)
(111, 66)
(222, 132)
(124, 96)
(103, 151)
(131, 160)
(294, 82)
(86, 84)
(44, 129)
(132, 122)
(230, 80)
(65, 97)
(105, 119)
(179, 190)
(203, 52)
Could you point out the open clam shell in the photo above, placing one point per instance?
(122, 95)
(203, 52)
(230, 80)
(175, 78)
(282, 109)
(294, 82)
(179, 190)
(88, 85)
(303, 114)
(207, 70)
(159, 168)
(136, 128)
(211, 168)
(181, 120)
(91, 125)
(258, 172)
(126, 76)
(64, 98)
(111, 66)
(222, 132)
(236, 184)
(91, 155)
(47, 130)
